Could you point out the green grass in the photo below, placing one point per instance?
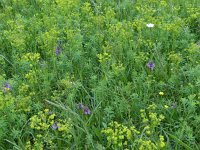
(91, 74)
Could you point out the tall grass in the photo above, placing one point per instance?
(95, 74)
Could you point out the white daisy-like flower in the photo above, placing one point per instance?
(150, 25)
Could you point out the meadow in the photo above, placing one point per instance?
(99, 74)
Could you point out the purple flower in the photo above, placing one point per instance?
(80, 106)
(86, 111)
(54, 126)
(58, 50)
(7, 87)
(151, 65)
(49, 112)
(173, 105)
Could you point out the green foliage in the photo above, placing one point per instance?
(96, 74)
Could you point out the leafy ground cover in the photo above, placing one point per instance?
(97, 74)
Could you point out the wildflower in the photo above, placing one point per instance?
(166, 106)
(46, 110)
(39, 135)
(148, 132)
(151, 65)
(80, 106)
(58, 50)
(52, 116)
(141, 110)
(86, 111)
(161, 117)
(161, 93)
(7, 87)
(173, 105)
(162, 143)
(150, 25)
(49, 112)
(54, 126)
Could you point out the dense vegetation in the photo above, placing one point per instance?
(100, 74)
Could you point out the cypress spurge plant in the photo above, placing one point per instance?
(80, 74)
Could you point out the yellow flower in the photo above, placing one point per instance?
(39, 135)
(129, 135)
(148, 132)
(161, 117)
(162, 143)
(161, 93)
(141, 110)
(46, 110)
(166, 106)
(52, 116)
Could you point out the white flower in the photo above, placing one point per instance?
(150, 25)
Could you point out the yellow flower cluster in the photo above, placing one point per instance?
(45, 125)
(175, 58)
(23, 88)
(193, 12)
(151, 117)
(6, 100)
(149, 145)
(161, 93)
(146, 145)
(152, 107)
(86, 8)
(31, 57)
(16, 34)
(119, 135)
(37, 146)
(31, 76)
(44, 120)
(166, 106)
(103, 57)
(161, 142)
(24, 105)
(65, 83)
(64, 126)
(155, 119)
(118, 68)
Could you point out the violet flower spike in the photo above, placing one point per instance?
(86, 111)
(151, 65)
(54, 126)
(58, 50)
(7, 87)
